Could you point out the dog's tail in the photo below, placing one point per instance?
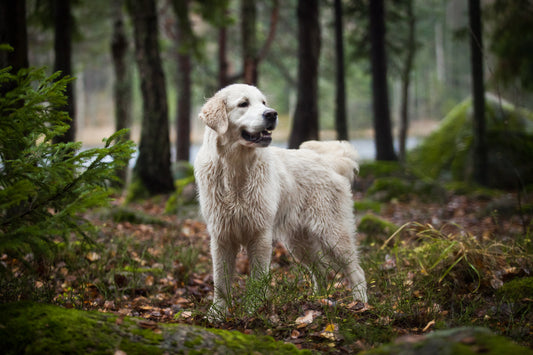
(339, 155)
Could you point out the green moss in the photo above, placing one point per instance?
(124, 214)
(374, 226)
(34, 328)
(517, 289)
(367, 205)
(386, 189)
(136, 190)
(378, 169)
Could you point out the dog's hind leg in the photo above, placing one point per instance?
(348, 263)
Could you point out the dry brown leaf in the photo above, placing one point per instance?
(429, 325)
(307, 318)
(92, 256)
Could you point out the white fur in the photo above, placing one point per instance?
(251, 195)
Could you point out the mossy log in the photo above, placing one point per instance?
(32, 328)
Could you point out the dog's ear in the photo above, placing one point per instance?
(214, 114)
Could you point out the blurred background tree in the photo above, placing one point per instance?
(428, 66)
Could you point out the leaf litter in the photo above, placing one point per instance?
(161, 272)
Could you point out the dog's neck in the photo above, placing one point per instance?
(234, 154)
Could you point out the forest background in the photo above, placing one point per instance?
(445, 228)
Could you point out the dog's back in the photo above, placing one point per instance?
(339, 155)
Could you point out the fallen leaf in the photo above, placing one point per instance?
(307, 318)
(330, 332)
(149, 280)
(92, 256)
(429, 325)
(295, 334)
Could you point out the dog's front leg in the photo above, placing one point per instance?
(224, 254)
(259, 253)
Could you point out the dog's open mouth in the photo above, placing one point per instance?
(261, 138)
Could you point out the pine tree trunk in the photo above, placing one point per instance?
(305, 121)
(153, 162)
(122, 87)
(222, 58)
(380, 96)
(406, 80)
(63, 27)
(341, 125)
(13, 32)
(249, 41)
(478, 92)
(183, 125)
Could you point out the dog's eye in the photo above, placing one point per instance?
(243, 104)
(264, 102)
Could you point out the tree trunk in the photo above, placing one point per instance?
(153, 163)
(341, 125)
(123, 82)
(380, 96)
(406, 80)
(222, 58)
(63, 27)
(305, 122)
(249, 40)
(478, 92)
(13, 32)
(183, 125)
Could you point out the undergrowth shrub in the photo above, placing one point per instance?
(44, 186)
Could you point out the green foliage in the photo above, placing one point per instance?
(510, 20)
(45, 186)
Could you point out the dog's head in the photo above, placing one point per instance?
(240, 112)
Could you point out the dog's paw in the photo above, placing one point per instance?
(217, 313)
(359, 294)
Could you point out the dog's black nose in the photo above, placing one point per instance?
(270, 116)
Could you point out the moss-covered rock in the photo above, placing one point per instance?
(453, 341)
(447, 152)
(33, 328)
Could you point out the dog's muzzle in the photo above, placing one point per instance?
(263, 138)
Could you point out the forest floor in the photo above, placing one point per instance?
(453, 262)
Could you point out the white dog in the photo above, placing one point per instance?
(251, 195)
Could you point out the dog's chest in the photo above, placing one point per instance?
(243, 200)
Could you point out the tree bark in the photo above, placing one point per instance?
(380, 96)
(13, 32)
(341, 125)
(122, 87)
(153, 162)
(406, 80)
(63, 28)
(478, 92)
(183, 125)
(305, 122)
(249, 40)
(222, 58)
